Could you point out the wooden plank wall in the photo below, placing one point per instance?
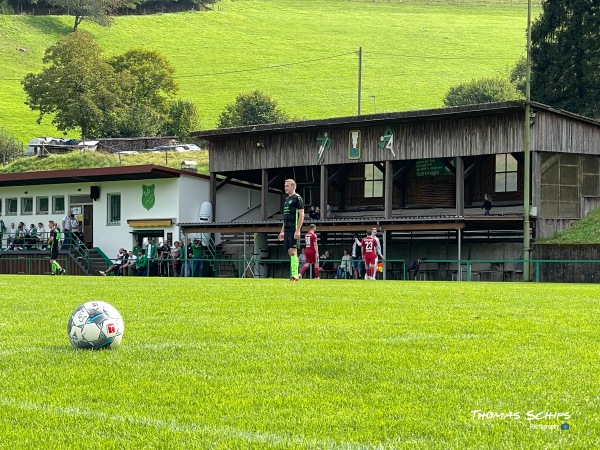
(418, 139)
(553, 132)
(35, 264)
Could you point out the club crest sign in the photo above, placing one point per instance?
(148, 198)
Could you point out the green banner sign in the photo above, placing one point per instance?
(431, 168)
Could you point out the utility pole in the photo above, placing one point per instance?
(374, 97)
(527, 154)
(359, 76)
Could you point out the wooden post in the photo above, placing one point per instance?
(213, 194)
(460, 186)
(388, 189)
(324, 191)
(264, 195)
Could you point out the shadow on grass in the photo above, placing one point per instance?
(49, 25)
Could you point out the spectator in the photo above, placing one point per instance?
(487, 204)
(12, 235)
(302, 258)
(164, 256)
(2, 230)
(327, 261)
(141, 263)
(66, 228)
(345, 267)
(20, 236)
(176, 259)
(151, 254)
(119, 261)
(412, 267)
(356, 257)
(129, 267)
(313, 214)
(41, 235)
(31, 237)
(197, 256)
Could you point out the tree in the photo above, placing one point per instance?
(127, 95)
(251, 109)
(151, 85)
(518, 75)
(98, 11)
(182, 119)
(78, 87)
(565, 56)
(484, 90)
(10, 148)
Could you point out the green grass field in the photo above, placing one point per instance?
(304, 54)
(329, 364)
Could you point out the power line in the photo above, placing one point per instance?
(266, 67)
(308, 61)
(477, 58)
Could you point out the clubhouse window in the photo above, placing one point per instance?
(26, 205)
(42, 205)
(58, 204)
(11, 207)
(114, 209)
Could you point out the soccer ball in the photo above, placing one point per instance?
(95, 325)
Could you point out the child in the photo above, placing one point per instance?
(487, 204)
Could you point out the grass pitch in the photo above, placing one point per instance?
(268, 364)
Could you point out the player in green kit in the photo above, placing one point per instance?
(293, 217)
(54, 244)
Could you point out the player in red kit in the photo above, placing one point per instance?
(311, 251)
(368, 248)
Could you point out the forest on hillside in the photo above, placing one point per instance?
(44, 7)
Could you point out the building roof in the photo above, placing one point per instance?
(385, 118)
(119, 173)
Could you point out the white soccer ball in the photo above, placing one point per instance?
(95, 325)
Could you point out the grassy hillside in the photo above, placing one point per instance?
(304, 54)
(78, 160)
(585, 231)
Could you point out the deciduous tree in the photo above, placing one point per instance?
(251, 109)
(484, 90)
(127, 95)
(99, 11)
(182, 119)
(78, 88)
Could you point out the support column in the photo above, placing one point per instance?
(213, 195)
(388, 189)
(264, 195)
(460, 185)
(324, 191)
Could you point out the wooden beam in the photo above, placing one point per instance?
(264, 195)
(324, 190)
(447, 162)
(324, 227)
(460, 185)
(388, 189)
(474, 164)
(223, 182)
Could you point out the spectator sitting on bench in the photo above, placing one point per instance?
(326, 262)
(119, 261)
(412, 267)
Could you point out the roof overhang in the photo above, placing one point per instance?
(150, 223)
(120, 173)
